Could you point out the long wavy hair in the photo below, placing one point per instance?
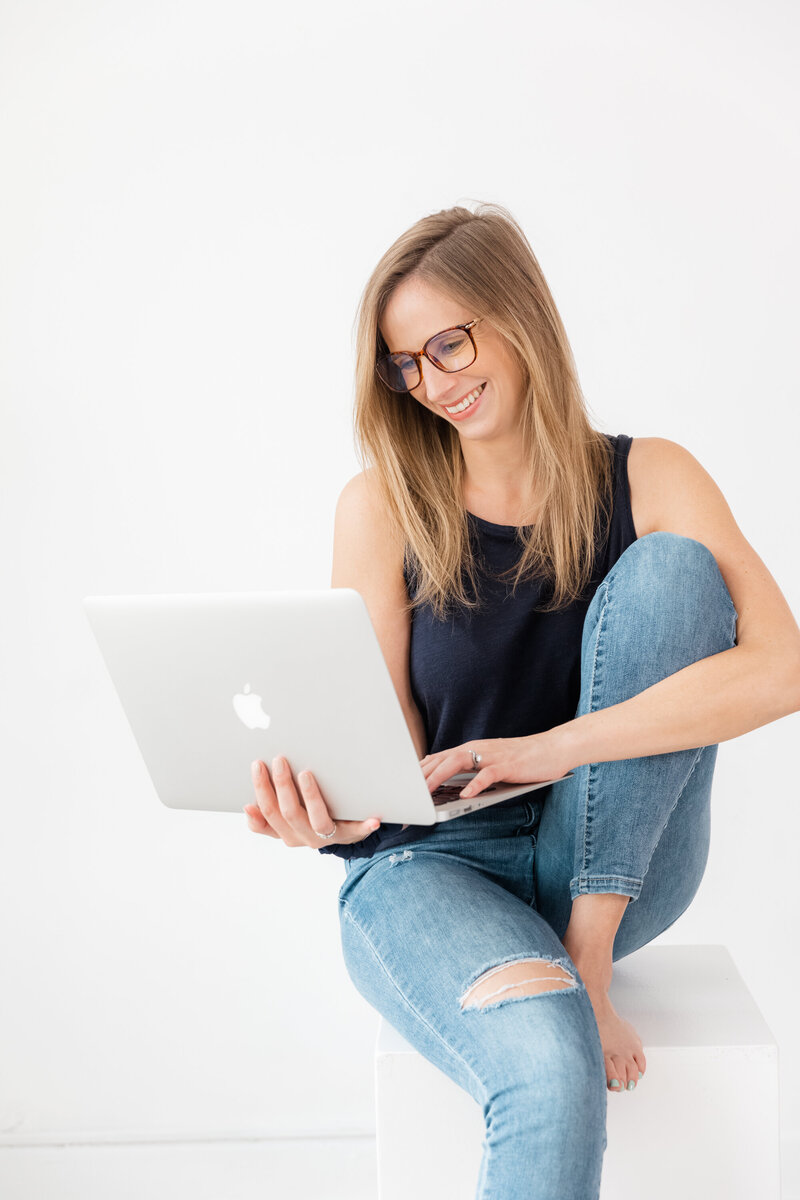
(483, 260)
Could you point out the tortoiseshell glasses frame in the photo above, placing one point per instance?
(385, 363)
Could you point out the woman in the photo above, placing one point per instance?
(548, 600)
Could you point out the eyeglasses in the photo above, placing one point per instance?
(451, 350)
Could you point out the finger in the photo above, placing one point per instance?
(292, 811)
(431, 761)
(257, 822)
(267, 801)
(444, 771)
(456, 761)
(320, 818)
(480, 781)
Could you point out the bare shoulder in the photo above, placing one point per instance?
(672, 492)
(361, 492)
(363, 529)
(658, 471)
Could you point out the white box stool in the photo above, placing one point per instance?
(703, 1123)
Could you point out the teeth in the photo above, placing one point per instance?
(465, 403)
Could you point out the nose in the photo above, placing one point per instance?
(438, 385)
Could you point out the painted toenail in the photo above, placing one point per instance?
(631, 1086)
(614, 1083)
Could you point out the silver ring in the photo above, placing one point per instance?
(476, 759)
(327, 835)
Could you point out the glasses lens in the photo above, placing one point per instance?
(398, 371)
(452, 350)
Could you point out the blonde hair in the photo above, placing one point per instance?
(483, 260)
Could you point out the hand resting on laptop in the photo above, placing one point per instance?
(510, 760)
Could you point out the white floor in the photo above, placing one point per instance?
(307, 1169)
(302, 1169)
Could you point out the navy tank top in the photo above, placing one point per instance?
(502, 670)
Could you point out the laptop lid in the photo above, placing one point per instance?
(209, 682)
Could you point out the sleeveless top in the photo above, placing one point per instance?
(502, 670)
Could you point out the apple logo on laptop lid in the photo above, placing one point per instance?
(248, 709)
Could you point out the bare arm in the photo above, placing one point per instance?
(727, 694)
(368, 556)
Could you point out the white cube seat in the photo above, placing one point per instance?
(704, 1120)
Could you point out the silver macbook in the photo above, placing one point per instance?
(210, 682)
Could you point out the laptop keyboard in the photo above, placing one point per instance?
(452, 791)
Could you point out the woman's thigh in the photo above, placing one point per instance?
(422, 924)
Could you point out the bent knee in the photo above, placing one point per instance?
(665, 552)
(663, 562)
(513, 980)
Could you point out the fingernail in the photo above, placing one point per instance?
(631, 1085)
(614, 1083)
(255, 767)
(278, 765)
(640, 1074)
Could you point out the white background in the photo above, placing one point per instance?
(193, 197)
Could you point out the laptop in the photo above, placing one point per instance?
(210, 682)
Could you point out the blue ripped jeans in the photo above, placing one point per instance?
(422, 923)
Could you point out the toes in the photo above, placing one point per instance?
(622, 1073)
(616, 1076)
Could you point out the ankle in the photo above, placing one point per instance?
(597, 969)
(594, 963)
(596, 977)
(591, 930)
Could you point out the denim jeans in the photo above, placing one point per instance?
(421, 923)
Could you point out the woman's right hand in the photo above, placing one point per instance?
(280, 812)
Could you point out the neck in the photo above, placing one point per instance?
(492, 469)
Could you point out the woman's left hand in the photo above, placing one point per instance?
(529, 759)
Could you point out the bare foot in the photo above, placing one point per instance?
(622, 1047)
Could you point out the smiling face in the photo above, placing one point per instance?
(493, 385)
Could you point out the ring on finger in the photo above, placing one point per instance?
(476, 759)
(327, 835)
